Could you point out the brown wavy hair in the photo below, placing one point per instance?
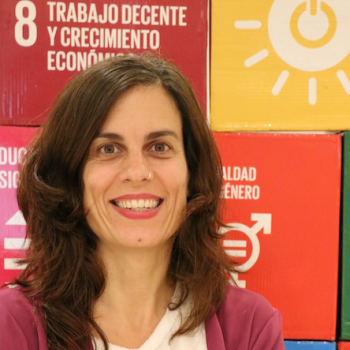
(64, 275)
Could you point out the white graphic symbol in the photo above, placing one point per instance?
(16, 220)
(309, 35)
(263, 222)
(15, 243)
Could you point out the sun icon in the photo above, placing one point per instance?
(294, 38)
(303, 33)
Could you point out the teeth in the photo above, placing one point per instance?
(138, 205)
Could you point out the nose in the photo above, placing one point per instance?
(134, 168)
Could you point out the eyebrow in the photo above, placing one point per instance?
(160, 133)
(109, 135)
(150, 136)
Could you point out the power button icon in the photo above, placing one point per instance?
(310, 35)
(313, 24)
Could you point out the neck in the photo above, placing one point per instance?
(136, 281)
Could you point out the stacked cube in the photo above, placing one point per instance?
(279, 102)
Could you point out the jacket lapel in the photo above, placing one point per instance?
(215, 338)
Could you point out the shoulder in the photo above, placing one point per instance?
(13, 302)
(19, 324)
(9, 295)
(248, 319)
(244, 304)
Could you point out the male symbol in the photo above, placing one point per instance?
(263, 222)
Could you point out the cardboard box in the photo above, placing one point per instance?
(345, 268)
(310, 345)
(277, 66)
(344, 345)
(44, 44)
(282, 196)
(13, 141)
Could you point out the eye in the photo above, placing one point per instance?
(109, 149)
(160, 147)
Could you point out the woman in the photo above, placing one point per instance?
(121, 192)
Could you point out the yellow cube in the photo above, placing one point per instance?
(280, 65)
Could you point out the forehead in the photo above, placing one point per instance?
(143, 108)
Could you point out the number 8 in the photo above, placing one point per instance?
(22, 21)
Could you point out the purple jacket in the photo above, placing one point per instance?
(245, 321)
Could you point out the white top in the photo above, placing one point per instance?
(160, 338)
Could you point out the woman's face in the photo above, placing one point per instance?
(141, 137)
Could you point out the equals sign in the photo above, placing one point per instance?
(230, 243)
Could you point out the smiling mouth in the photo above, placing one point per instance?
(138, 204)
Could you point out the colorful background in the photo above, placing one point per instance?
(278, 104)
